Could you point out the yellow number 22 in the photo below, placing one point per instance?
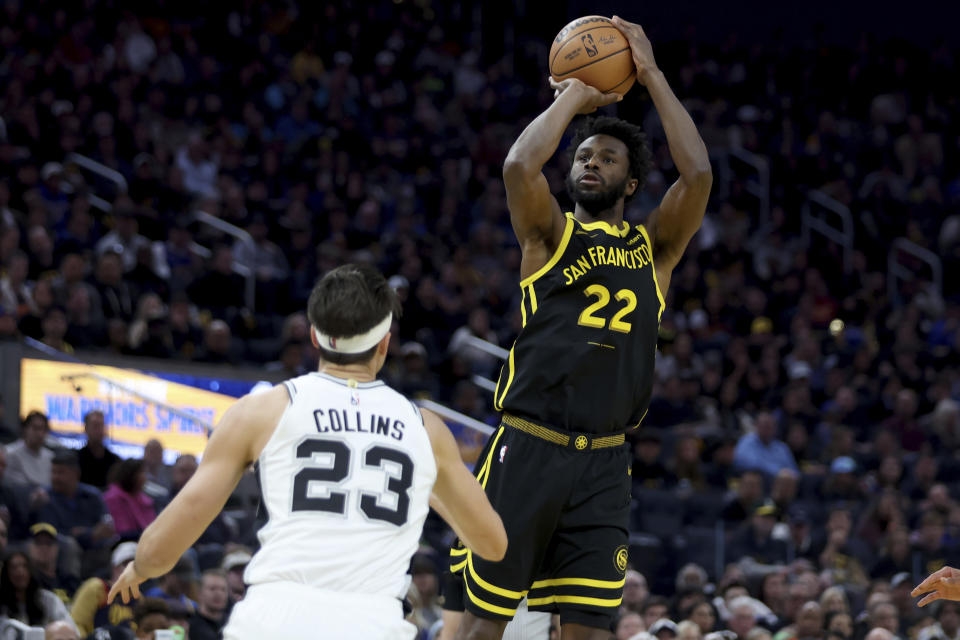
(600, 292)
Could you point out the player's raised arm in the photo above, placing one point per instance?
(680, 214)
(235, 444)
(459, 498)
(534, 212)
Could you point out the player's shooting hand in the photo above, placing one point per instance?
(940, 585)
(127, 585)
(640, 47)
(589, 98)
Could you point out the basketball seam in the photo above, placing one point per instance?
(629, 75)
(567, 73)
(560, 46)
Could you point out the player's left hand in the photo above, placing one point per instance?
(940, 585)
(640, 47)
(127, 585)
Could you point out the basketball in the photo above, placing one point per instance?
(594, 51)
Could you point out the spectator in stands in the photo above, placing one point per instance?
(839, 625)
(663, 629)
(22, 598)
(654, 608)
(947, 625)
(234, 563)
(131, 508)
(54, 328)
(929, 549)
(174, 587)
(60, 630)
(688, 630)
(218, 346)
(884, 615)
(28, 460)
(704, 615)
(211, 614)
(761, 451)
(648, 471)
(117, 296)
(90, 609)
(635, 591)
(76, 509)
(783, 491)
(15, 503)
(628, 626)
(686, 465)
(842, 483)
(125, 239)
(843, 556)
(896, 555)
(742, 504)
(219, 289)
(755, 540)
(157, 471)
(150, 614)
(742, 616)
(43, 550)
(95, 459)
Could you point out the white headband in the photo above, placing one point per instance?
(358, 343)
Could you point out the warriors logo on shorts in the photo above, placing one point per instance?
(581, 442)
(620, 558)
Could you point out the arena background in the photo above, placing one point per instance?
(817, 303)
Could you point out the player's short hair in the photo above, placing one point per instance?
(638, 151)
(347, 301)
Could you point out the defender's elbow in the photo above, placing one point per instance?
(495, 548)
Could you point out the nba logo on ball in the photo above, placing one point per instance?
(588, 44)
(503, 452)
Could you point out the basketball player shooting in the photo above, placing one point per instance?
(580, 373)
(347, 466)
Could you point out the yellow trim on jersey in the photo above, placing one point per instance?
(492, 608)
(492, 588)
(656, 282)
(498, 399)
(607, 228)
(533, 300)
(641, 418)
(597, 602)
(567, 232)
(457, 567)
(523, 307)
(579, 582)
(458, 552)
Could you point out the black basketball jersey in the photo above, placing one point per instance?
(584, 358)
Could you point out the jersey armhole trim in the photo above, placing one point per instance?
(291, 389)
(567, 232)
(656, 282)
(416, 410)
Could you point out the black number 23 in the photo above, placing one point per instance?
(338, 469)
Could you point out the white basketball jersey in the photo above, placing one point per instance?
(346, 481)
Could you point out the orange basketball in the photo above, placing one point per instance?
(594, 51)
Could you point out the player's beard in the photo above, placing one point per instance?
(596, 201)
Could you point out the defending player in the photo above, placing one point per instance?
(347, 467)
(581, 371)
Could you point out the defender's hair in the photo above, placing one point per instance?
(347, 301)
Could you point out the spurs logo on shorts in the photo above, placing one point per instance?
(620, 558)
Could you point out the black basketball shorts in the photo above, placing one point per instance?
(565, 506)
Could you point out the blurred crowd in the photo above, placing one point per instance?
(805, 414)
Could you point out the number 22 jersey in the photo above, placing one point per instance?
(584, 358)
(346, 480)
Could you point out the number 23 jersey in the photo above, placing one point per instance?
(346, 480)
(584, 358)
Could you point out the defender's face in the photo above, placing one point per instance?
(600, 165)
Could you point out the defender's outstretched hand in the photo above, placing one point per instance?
(639, 45)
(940, 585)
(127, 585)
(589, 98)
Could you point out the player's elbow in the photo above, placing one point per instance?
(518, 169)
(493, 546)
(702, 176)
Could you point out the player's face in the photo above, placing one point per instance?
(599, 176)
